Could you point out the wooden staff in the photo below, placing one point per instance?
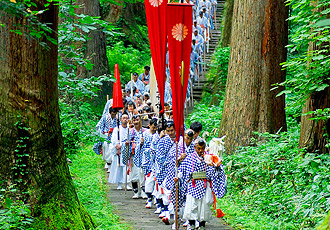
(118, 138)
(127, 159)
(132, 87)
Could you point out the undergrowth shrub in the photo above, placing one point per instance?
(128, 59)
(289, 189)
(209, 116)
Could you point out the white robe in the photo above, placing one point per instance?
(117, 173)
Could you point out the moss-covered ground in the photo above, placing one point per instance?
(88, 176)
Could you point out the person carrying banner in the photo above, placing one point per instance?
(185, 147)
(204, 182)
(165, 144)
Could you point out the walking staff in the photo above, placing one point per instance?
(117, 102)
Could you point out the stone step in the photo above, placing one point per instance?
(202, 82)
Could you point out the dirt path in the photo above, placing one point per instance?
(133, 212)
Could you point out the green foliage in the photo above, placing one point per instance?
(77, 112)
(90, 183)
(273, 180)
(308, 70)
(209, 116)
(219, 65)
(128, 59)
(14, 213)
(217, 75)
(32, 28)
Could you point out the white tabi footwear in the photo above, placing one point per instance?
(143, 195)
(166, 218)
(135, 196)
(119, 187)
(186, 224)
(161, 215)
(149, 204)
(158, 210)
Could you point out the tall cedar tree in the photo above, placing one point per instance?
(31, 142)
(227, 25)
(259, 37)
(95, 51)
(314, 134)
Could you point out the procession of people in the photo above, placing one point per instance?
(146, 161)
(145, 155)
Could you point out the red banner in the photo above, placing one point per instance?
(117, 96)
(179, 31)
(156, 20)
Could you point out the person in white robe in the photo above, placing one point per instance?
(118, 145)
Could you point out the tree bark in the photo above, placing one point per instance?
(314, 135)
(31, 144)
(259, 37)
(227, 26)
(127, 16)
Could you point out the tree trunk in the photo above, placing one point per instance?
(257, 48)
(227, 26)
(96, 50)
(31, 142)
(314, 134)
(129, 16)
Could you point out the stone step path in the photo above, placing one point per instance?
(216, 36)
(133, 212)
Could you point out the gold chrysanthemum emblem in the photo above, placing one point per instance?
(179, 32)
(155, 3)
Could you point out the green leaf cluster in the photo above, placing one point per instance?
(14, 213)
(128, 59)
(289, 189)
(308, 69)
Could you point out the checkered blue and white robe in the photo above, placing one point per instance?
(171, 168)
(136, 138)
(197, 188)
(147, 158)
(107, 123)
(164, 146)
(171, 163)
